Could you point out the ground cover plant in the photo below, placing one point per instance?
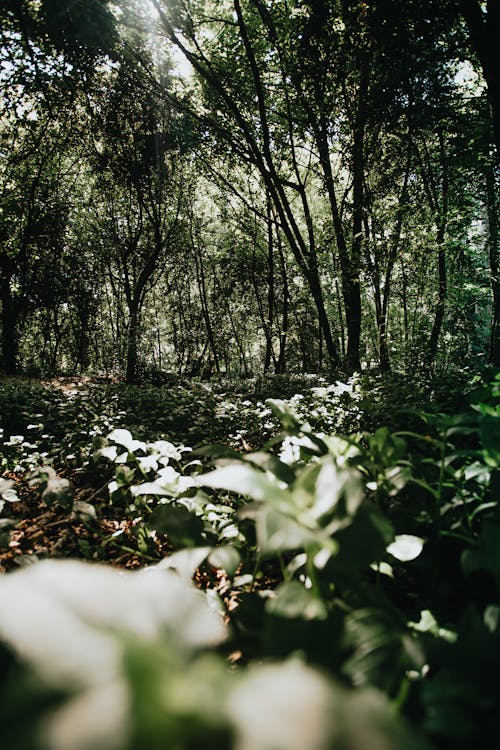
(321, 590)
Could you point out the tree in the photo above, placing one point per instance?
(49, 53)
(33, 218)
(267, 140)
(138, 194)
(483, 22)
(303, 93)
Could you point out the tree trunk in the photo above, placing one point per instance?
(9, 319)
(484, 30)
(383, 349)
(442, 291)
(281, 363)
(493, 246)
(132, 342)
(351, 280)
(317, 295)
(441, 214)
(202, 289)
(352, 305)
(270, 291)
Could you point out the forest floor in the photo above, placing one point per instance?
(51, 532)
(319, 531)
(66, 409)
(60, 414)
(42, 531)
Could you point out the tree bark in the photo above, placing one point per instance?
(493, 247)
(9, 318)
(484, 31)
(132, 341)
(281, 363)
(441, 218)
(351, 271)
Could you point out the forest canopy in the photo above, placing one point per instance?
(245, 187)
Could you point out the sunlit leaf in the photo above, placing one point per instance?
(406, 547)
(245, 480)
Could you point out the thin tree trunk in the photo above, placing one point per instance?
(132, 343)
(351, 281)
(493, 247)
(9, 319)
(484, 30)
(440, 307)
(202, 289)
(441, 213)
(270, 291)
(281, 363)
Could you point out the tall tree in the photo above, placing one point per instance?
(483, 21)
(137, 194)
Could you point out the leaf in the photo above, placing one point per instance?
(167, 449)
(64, 616)
(109, 451)
(492, 618)
(283, 411)
(6, 525)
(245, 480)
(383, 568)
(333, 484)
(487, 555)
(150, 488)
(282, 706)
(124, 475)
(406, 547)
(382, 649)
(124, 437)
(294, 601)
(148, 463)
(7, 491)
(218, 451)
(269, 462)
(277, 532)
(84, 509)
(186, 561)
(226, 557)
(489, 428)
(182, 527)
(58, 491)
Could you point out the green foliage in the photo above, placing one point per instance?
(339, 541)
(373, 556)
(131, 656)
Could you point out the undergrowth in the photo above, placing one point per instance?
(347, 571)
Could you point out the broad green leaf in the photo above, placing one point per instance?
(245, 480)
(186, 561)
(269, 462)
(226, 557)
(7, 491)
(151, 488)
(294, 601)
(84, 509)
(406, 547)
(58, 491)
(277, 532)
(124, 437)
(489, 427)
(109, 451)
(182, 527)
